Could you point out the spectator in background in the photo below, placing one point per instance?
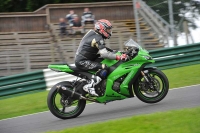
(70, 17)
(62, 26)
(87, 17)
(77, 26)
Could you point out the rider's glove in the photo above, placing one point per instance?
(123, 57)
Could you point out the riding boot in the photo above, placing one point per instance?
(90, 86)
(100, 74)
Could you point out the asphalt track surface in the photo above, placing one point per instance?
(186, 97)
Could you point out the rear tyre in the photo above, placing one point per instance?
(160, 83)
(63, 106)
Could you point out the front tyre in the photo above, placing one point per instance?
(160, 84)
(62, 106)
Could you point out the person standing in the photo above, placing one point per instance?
(70, 17)
(87, 17)
(63, 27)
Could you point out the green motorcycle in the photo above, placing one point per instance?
(126, 79)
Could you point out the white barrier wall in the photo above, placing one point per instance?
(52, 77)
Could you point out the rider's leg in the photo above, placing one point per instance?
(100, 74)
(91, 83)
(95, 79)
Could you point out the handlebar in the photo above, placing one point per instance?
(132, 51)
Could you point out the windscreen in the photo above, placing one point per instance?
(131, 43)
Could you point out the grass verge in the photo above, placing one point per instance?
(183, 76)
(179, 121)
(33, 103)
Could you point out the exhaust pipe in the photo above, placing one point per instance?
(73, 94)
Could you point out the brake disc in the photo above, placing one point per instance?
(145, 87)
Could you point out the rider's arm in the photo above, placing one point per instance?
(104, 51)
(109, 49)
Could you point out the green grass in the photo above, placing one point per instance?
(33, 103)
(183, 76)
(179, 121)
(22, 105)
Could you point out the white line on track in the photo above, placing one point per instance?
(185, 87)
(93, 103)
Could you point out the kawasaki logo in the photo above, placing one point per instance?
(128, 78)
(116, 77)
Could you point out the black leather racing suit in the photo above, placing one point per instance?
(87, 52)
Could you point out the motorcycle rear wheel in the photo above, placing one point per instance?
(62, 106)
(147, 95)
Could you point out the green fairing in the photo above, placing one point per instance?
(130, 68)
(60, 68)
(110, 62)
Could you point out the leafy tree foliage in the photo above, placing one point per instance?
(32, 5)
(180, 9)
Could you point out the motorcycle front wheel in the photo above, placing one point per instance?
(160, 84)
(62, 106)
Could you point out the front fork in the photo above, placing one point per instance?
(149, 80)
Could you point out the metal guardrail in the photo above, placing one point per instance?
(22, 83)
(167, 58)
(41, 80)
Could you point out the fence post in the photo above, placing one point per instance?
(52, 52)
(171, 18)
(8, 63)
(136, 6)
(120, 42)
(27, 60)
(48, 16)
(167, 35)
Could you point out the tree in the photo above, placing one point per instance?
(12, 5)
(180, 8)
(32, 5)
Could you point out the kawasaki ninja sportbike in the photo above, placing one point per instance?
(126, 79)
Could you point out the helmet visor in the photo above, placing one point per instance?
(109, 31)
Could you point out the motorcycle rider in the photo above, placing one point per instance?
(87, 52)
